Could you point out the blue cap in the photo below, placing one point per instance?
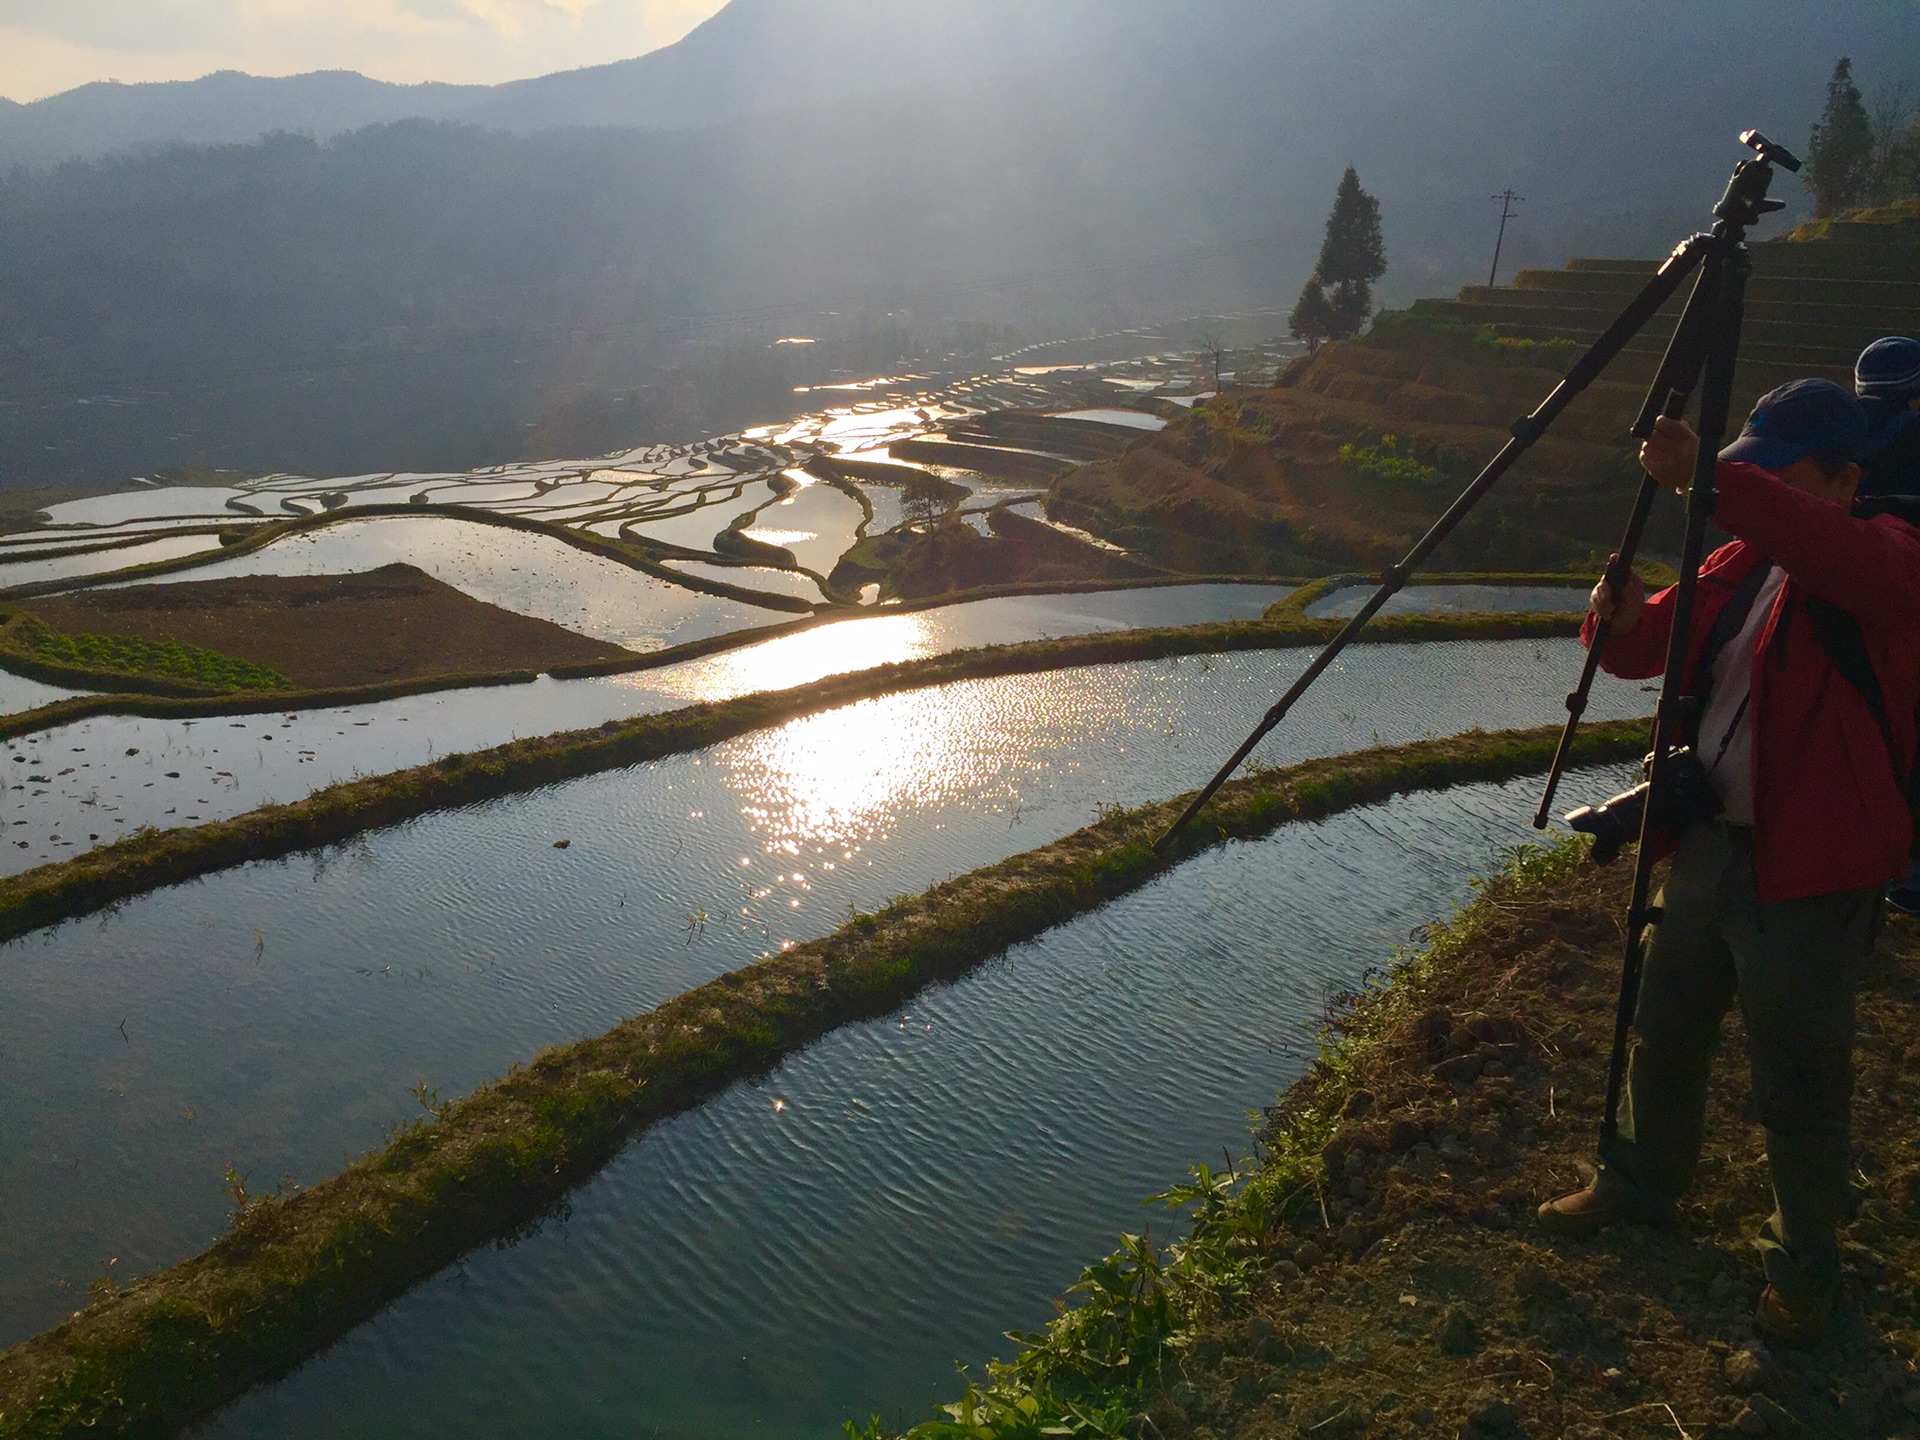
(1799, 418)
(1888, 369)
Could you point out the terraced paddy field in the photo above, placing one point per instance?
(283, 1011)
(828, 1241)
(254, 1028)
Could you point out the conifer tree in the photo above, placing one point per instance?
(1840, 159)
(1312, 319)
(1338, 299)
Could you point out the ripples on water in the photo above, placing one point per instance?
(277, 1015)
(103, 778)
(826, 1243)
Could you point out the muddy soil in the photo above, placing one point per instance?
(393, 623)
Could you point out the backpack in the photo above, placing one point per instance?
(1839, 635)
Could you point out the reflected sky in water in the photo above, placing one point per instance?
(277, 1014)
(827, 1242)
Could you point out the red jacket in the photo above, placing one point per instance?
(1829, 813)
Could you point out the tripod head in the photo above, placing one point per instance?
(1746, 198)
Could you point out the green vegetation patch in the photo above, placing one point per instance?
(1431, 334)
(115, 659)
(1389, 461)
(298, 1270)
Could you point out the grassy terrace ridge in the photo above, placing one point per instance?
(1377, 1271)
(297, 1271)
(149, 859)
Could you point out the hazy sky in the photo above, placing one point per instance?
(51, 45)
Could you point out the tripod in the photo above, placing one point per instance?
(1703, 349)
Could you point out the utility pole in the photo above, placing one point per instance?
(1507, 201)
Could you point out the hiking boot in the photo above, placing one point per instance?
(1585, 1213)
(1798, 1323)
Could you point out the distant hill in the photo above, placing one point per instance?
(220, 109)
(752, 58)
(422, 294)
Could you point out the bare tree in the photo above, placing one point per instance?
(1213, 350)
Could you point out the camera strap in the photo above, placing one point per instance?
(1726, 740)
(1731, 620)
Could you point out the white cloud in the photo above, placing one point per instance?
(51, 45)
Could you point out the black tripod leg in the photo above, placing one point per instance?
(1577, 698)
(1668, 396)
(1716, 398)
(1526, 431)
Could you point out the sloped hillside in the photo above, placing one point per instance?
(1257, 480)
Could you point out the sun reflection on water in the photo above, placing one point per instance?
(798, 659)
(820, 790)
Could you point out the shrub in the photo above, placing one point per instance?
(1387, 461)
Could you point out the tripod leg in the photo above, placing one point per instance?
(1616, 577)
(1729, 276)
(1526, 431)
(1668, 395)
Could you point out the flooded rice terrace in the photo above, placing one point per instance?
(821, 1244)
(826, 1243)
(90, 782)
(277, 1015)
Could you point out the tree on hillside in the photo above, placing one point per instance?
(1896, 146)
(1840, 150)
(1338, 298)
(1213, 351)
(1312, 317)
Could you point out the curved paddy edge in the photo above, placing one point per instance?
(298, 1271)
(51, 893)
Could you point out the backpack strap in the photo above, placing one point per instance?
(1839, 635)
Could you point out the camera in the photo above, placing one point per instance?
(1689, 796)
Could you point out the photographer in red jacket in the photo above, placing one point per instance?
(1777, 900)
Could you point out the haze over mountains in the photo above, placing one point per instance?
(460, 284)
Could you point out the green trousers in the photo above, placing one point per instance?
(1794, 967)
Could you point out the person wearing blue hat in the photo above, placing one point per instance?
(1887, 379)
(1776, 900)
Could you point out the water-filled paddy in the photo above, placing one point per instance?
(18, 693)
(1132, 419)
(526, 573)
(1453, 600)
(92, 781)
(277, 1015)
(100, 562)
(827, 1243)
(816, 523)
(751, 577)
